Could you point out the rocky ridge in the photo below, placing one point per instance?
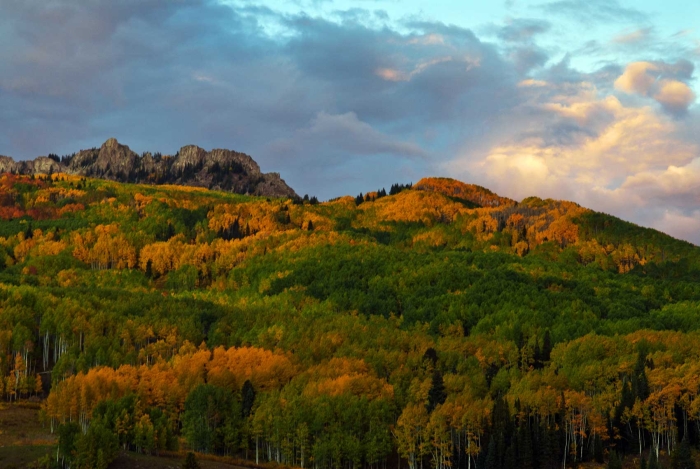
(217, 169)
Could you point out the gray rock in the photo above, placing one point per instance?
(192, 166)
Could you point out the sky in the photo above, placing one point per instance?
(593, 101)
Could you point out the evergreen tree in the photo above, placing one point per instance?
(190, 462)
(491, 455)
(436, 395)
(598, 449)
(509, 458)
(431, 356)
(653, 460)
(546, 346)
(614, 461)
(682, 457)
(248, 398)
(640, 383)
(537, 356)
(500, 417)
(525, 446)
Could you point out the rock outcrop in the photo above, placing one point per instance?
(192, 166)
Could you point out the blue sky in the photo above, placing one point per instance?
(588, 100)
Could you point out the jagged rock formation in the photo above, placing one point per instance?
(191, 166)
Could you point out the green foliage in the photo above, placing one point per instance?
(211, 420)
(682, 457)
(184, 278)
(383, 304)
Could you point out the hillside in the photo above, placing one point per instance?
(441, 325)
(191, 166)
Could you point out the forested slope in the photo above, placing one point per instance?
(442, 324)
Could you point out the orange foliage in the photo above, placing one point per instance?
(346, 376)
(167, 384)
(265, 369)
(453, 188)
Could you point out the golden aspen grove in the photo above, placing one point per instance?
(437, 325)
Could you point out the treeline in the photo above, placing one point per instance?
(341, 413)
(439, 325)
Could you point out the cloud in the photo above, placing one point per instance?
(634, 37)
(639, 77)
(648, 79)
(522, 29)
(348, 147)
(340, 136)
(593, 11)
(527, 58)
(357, 100)
(674, 96)
(585, 145)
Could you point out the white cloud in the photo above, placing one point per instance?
(589, 147)
(675, 96)
(646, 79)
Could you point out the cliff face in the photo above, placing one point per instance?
(192, 166)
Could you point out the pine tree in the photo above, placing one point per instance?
(682, 457)
(437, 394)
(509, 458)
(431, 356)
(640, 383)
(491, 455)
(190, 462)
(546, 346)
(598, 449)
(248, 398)
(614, 461)
(653, 460)
(525, 445)
(537, 356)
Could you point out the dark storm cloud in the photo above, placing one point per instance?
(160, 75)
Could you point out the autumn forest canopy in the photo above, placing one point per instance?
(436, 324)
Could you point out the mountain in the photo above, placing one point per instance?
(191, 166)
(439, 325)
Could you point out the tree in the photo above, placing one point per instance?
(38, 385)
(190, 461)
(437, 394)
(614, 461)
(211, 413)
(653, 460)
(682, 457)
(546, 346)
(68, 434)
(430, 356)
(248, 398)
(640, 382)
